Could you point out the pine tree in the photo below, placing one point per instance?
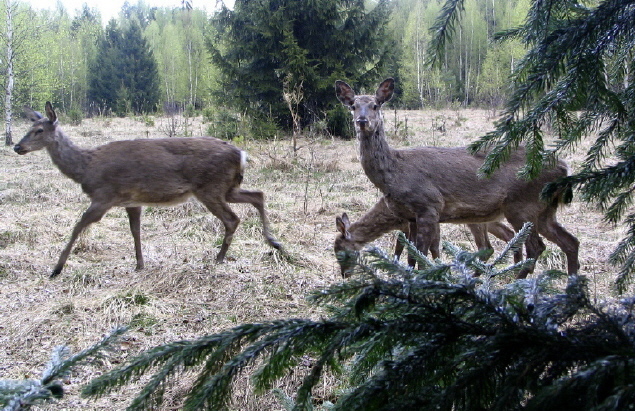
(124, 76)
(103, 80)
(578, 76)
(139, 73)
(261, 45)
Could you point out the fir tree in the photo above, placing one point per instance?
(125, 75)
(578, 77)
(436, 338)
(22, 394)
(103, 80)
(139, 71)
(261, 45)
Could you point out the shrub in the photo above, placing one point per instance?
(75, 117)
(223, 123)
(339, 122)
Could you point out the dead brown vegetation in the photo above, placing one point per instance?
(182, 293)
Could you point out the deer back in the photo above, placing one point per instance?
(447, 179)
(163, 171)
(138, 172)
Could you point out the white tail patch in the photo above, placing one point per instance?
(243, 160)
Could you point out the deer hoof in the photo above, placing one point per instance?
(275, 244)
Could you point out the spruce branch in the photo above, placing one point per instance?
(403, 338)
(577, 78)
(22, 394)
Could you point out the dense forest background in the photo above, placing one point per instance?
(273, 60)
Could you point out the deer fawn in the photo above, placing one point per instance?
(133, 173)
(380, 220)
(436, 184)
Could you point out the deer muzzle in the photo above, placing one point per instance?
(19, 149)
(362, 122)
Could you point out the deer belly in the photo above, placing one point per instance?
(470, 213)
(155, 199)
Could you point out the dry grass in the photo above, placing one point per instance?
(182, 294)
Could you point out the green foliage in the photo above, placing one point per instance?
(261, 46)
(222, 123)
(177, 38)
(21, 394)
(75, 117)
(578, 77)
(274, 42)
(466, 70)
(339, 122)
(263, 128)
(124, 76)
(433, 338)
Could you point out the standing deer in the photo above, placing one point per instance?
(380, 220)
(133, 173)
(436, 184)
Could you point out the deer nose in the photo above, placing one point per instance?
(18, 149)
(362, 121)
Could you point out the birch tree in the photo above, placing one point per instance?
(11, 7)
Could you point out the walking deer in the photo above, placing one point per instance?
(134, 173)
(436, 184)
(380, 220)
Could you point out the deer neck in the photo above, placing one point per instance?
(70, 159)
(376, 157)
(378, 221)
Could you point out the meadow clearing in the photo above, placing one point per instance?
(182, 293)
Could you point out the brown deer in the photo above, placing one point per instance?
(380, 220)
(436, 184)
(133, 173)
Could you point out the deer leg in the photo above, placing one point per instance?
(554, 232)
(535, 247)
(256, 199)
(93, 214)
(479, 232)
(500, 230)
(229, 219)
(427, 226)
(134, 217)
(412, 237)
(435, 243)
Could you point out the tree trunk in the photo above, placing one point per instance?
(8, 99)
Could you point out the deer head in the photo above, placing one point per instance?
(365, 108)
(41, 133)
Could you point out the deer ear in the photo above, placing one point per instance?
(344, 93)
(32, 114)
(342, 223)
(50, 113)
(385, 90)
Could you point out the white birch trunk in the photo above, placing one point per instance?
(8, 99)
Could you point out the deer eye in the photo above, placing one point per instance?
(39, 130)
(375, 107)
